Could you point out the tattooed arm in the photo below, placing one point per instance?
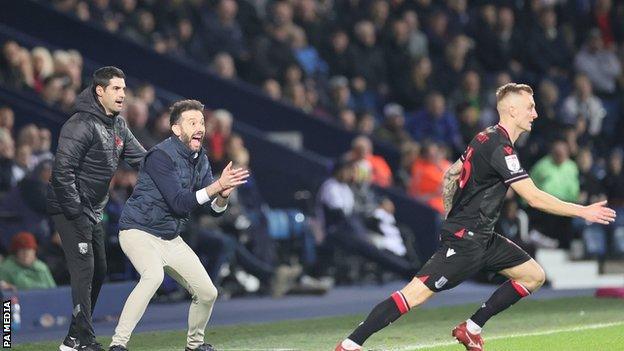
(450, 184)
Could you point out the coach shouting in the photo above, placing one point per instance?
(90, 146)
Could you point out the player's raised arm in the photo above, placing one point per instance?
(596, 212)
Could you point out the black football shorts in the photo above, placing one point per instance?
(457, 259)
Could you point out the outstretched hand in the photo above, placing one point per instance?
(232, 178)
(598, 212)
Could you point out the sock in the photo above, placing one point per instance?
(473, 327)
(349, 344)
(505, 296)
(380, 317)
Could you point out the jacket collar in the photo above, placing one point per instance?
(88, 102)
(184, 150)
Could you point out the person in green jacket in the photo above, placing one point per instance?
(558, 175)
(22, 268)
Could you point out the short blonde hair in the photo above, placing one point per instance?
(511, 88)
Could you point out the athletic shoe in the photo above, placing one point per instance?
(117, 348)
(472, 342)
(339, 347)
(69, 344)
(202, 347)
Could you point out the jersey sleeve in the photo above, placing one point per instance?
(506, 163)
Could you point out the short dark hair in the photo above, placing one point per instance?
(182, 106)
(102, 76)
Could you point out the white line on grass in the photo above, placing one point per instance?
(515, 335)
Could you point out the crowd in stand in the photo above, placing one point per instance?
(419, 75)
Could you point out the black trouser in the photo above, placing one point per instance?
(83, 243)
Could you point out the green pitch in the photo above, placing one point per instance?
(570, 324)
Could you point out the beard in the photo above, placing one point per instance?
(192, 143)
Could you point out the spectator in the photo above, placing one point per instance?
(369, 166)
(451, 67)
(217, 137)
(339, 55)
(365, 124)
(7, 118)
(347, 119)
(438, 34)
(25, 206)
(582, 103)
(591, 190)
(614, 181)
(514, 225)
(295, 94)
(223, 33)
(43, 67)
(22, 268)
(558, 175)
(147, 93)
(436, 123)
(223, 66)
(427, 176)
(53, 89)
(469, 125)
(142, 31)
(160, 128)
(306, 55)
(22, 165)
(392, 130)
(272, 89)
(410, 151)
(547, 53)
(370, 64)
(600, 64)
(335, 203)
(548, 125)
(137, 116)
(7, 155)
(273, 54)
(468, 93)
(308, 16)
(42, 152)
(415, 85)
(16, 66)
(498, 41)
(418, 44)
(339, 95)
(398, 59)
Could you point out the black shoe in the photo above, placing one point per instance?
(202, 347)
(117, 348)
(70, 344)
(94, 346)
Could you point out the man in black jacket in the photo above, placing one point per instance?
(90, 146)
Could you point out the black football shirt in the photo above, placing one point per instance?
(490, 165)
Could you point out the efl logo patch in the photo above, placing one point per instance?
(513, 164)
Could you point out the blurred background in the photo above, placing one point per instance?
(347, 112)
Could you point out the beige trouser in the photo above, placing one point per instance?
(151, 257)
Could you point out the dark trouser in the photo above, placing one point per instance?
(350, 235)
(221, 248)
(83, 243)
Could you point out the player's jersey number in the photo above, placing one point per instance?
(466, 168)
